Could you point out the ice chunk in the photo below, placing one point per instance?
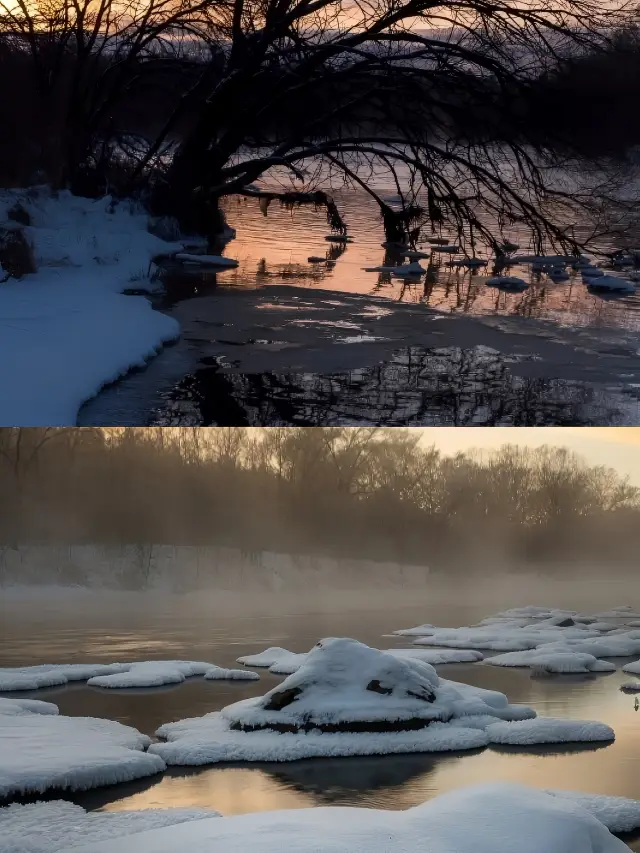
(152, 674)
(58, 826)
(39, 751)
(632, 668)
(206, 260)
(266, 658)
(630, 687)
(53, 675)
(219, 673)
(437, 657)
(548, 730)
(552, 661)
(489, 818)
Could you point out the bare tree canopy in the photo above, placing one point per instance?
(361, 492)
(428, 94)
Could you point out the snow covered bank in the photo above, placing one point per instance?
(230, 572)
(153, 673)
(67, 329)
(58, 826)
(345, 699)
(490, 818)
(40, 749)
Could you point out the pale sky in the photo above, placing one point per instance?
(615, 447)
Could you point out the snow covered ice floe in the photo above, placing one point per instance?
(283, 662)
(115, 675)
(68, 329)
(488, 818)
(630, 687)
(345, 699)
(58, 826)
(152, 674)
(548, 730)
(553, 661)
(219, 673)
(40, 750)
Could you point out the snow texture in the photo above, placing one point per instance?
(219, 673)
(283, 662)
(345, 699)
(40, 750)
(548, 730)
(618, 814)
(489, 818)
(57, 826)
(552, 661)
(68, 329)
(11, 707)
(114, 675)
(152, 674)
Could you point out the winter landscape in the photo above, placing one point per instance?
(258, 684)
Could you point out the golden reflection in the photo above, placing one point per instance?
(229, 790)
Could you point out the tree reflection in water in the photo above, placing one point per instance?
(416, 386)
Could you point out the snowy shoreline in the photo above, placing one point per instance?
(68, 330)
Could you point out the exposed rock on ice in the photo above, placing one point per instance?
(41, 750)
(548, 730)
(58, 826)
(490, 818)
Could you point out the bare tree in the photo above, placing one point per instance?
(319, 90)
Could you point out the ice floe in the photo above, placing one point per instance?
(114, 675)
(488, 818)
(552, 661)
(280, 661)
(345, 699)
(548, 730)
(219, 673)
(40, 750)
(58, 826)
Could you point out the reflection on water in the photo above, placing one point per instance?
(275, 249)
(415, 386)
(391, 782)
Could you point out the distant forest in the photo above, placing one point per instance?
(360, 493)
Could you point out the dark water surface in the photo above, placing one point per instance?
(274, 251)
(393, 782)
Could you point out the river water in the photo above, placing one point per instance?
(276, 340)
(391, 782)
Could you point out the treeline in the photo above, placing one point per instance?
(366, 492)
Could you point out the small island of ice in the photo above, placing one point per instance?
(345, 699)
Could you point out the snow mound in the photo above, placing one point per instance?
(283, 662)
(548, 730)
(40, 750)
(489, 818)
(618, 814)
(12, 707)
(218, 673)
(552, 661)
(632, 668)
(345, 699)
(57, 826)
(266, 658)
